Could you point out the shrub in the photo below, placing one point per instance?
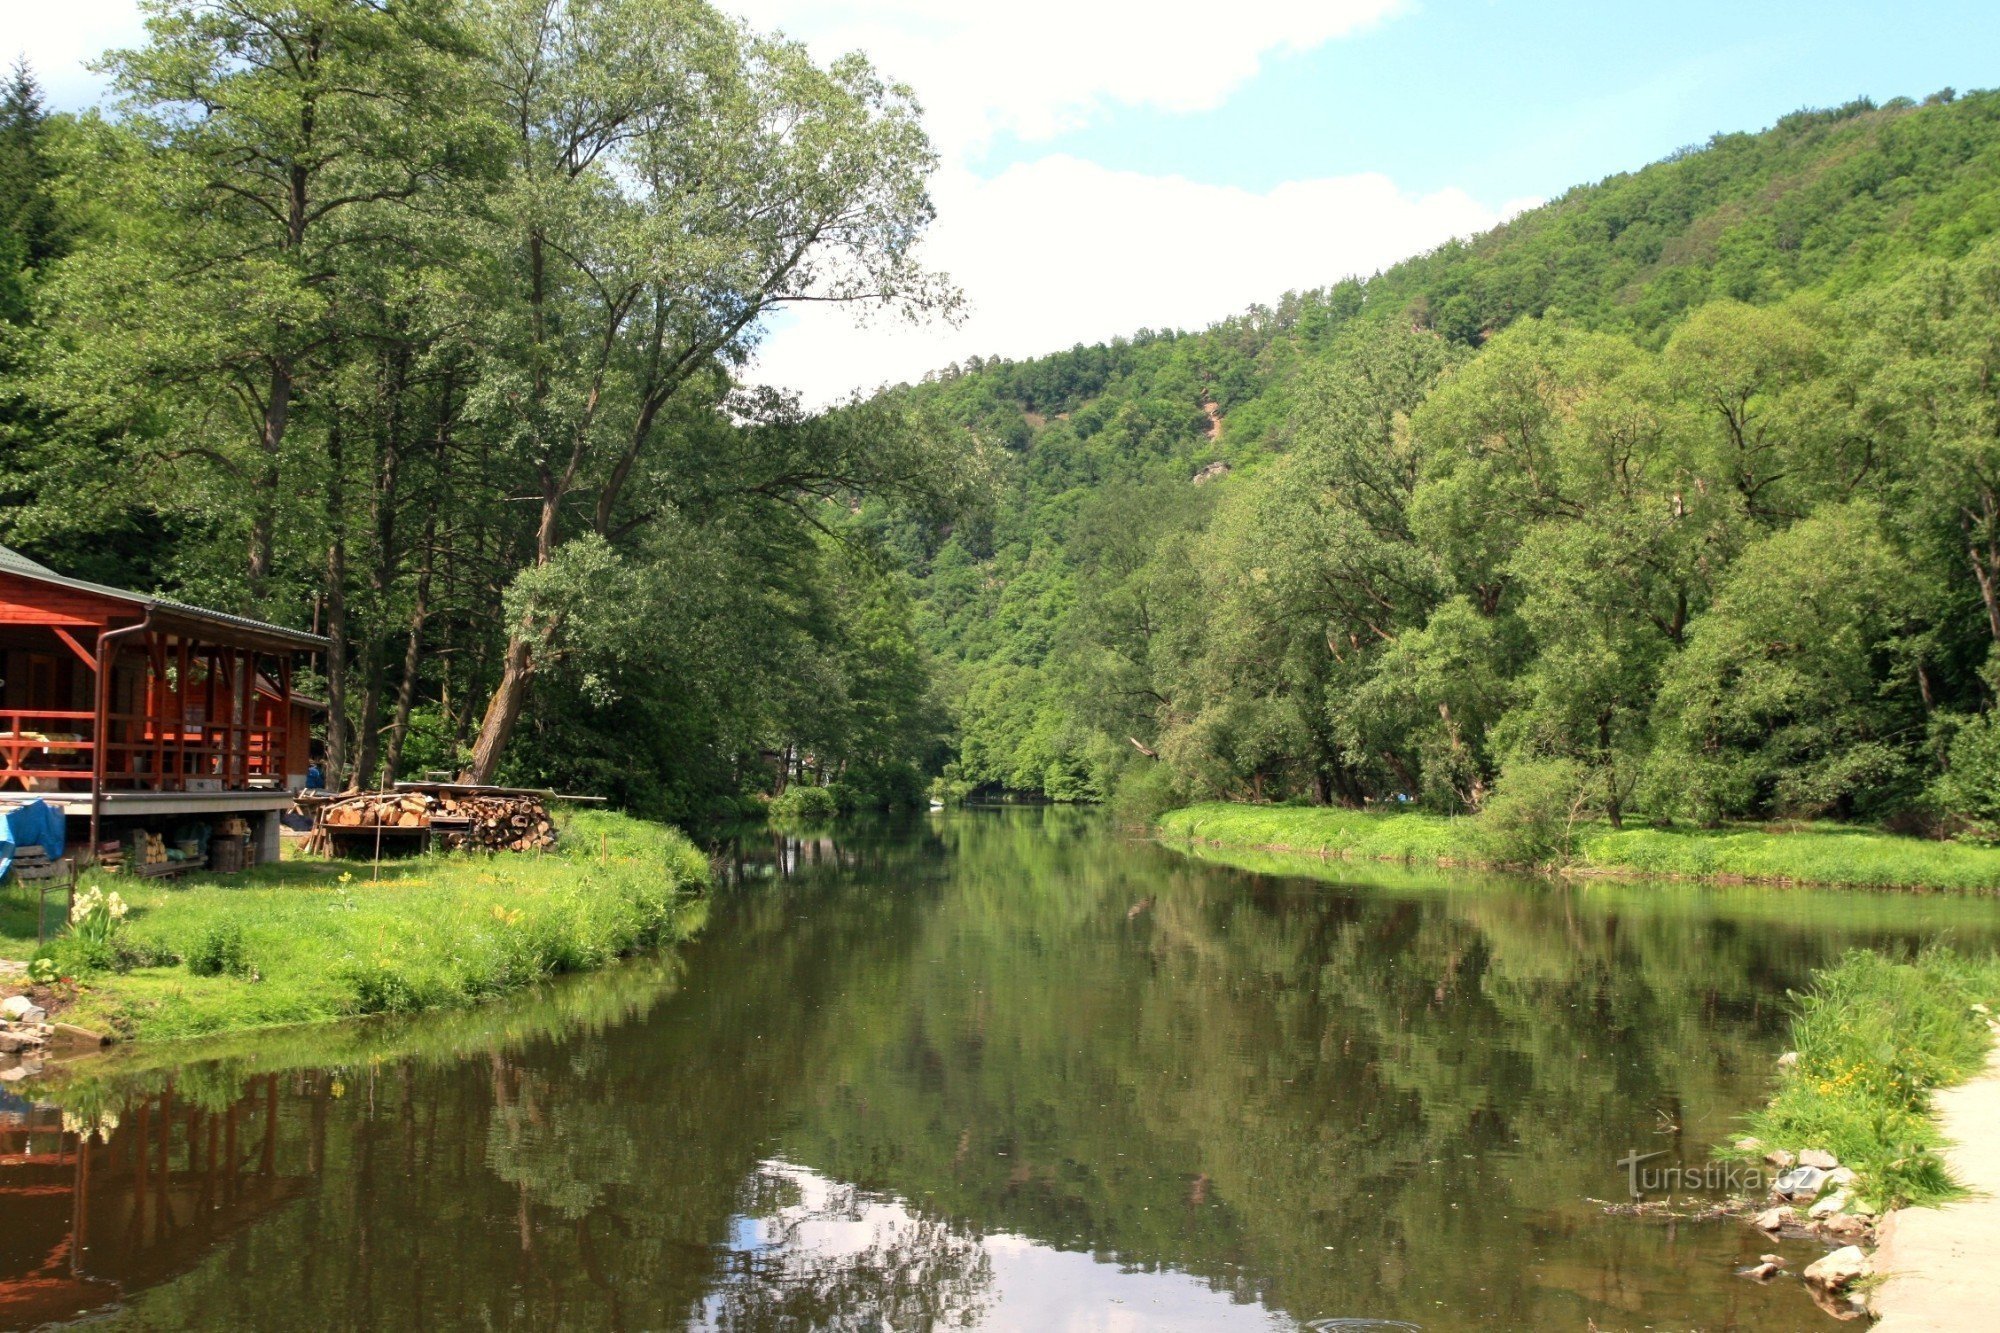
(1531, 817)
(1143, 793)
(800, 804)
(1969, 787)
(220, 951)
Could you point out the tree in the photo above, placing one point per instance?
(674, 180)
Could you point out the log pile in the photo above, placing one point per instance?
(495, 822)
(378, 810)
(489, 821)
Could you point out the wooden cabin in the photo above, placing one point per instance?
(118, 705)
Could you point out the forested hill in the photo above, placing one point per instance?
(1678, 494)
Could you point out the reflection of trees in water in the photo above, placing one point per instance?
(1031, 1028)
(1110, 1046)
(831, 1257)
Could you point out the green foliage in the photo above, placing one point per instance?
(418, 322)
(1875, 1037)
(1144, 793)
(220, 951)
(801, 804)
(1531, 818)
(1685, 480)
(1969, 787)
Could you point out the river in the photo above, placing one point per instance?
(1003, 1070)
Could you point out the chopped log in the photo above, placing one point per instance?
(492, 821)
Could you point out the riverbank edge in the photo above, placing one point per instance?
(1894, 1078)
(321, 942)
(1412, 838)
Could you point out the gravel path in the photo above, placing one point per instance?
(1940, 1262)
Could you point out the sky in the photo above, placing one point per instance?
(1111, 165)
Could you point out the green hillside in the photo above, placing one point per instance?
(1679, 495)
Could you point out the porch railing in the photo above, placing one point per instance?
(56, 750)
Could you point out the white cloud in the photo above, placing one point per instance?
(59, 38)
(1049, 252)
(1058, 251)
(1039, 67)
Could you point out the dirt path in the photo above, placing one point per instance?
(1939, 1261)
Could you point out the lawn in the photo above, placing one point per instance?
(307, 940)
(1805, 854)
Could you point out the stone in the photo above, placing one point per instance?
(1820, 1158)
(1749, 1145)
(1772, 1219)
(1777, 1259)
(1844, 1227)
(1781, 1159)
(71, 1033)
(1839, 1177)
(1788, 1059)
(1839, 1270)
(1762, 1272)
(16, 1007)
(14, 1075)
(1981, 1009)
(1827, 1207)
(1801, 1182)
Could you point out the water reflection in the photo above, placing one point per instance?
(1004, 1071)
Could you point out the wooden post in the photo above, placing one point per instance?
(180, 717)
(156, 704)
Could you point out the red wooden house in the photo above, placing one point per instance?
(121, 704)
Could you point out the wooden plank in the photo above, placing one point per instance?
(89, 658)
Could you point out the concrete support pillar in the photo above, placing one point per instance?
(267, 837)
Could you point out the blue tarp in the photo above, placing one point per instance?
(36, 824)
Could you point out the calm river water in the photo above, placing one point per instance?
(985, 1070)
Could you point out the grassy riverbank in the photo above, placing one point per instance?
(1875, 1037)
(307, 941)
(1809, 854)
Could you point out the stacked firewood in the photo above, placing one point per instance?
(379, 810)
(493, 821)
(488, 820)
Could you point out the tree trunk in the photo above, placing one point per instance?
(382, 572)
(503, 710)
(264, 516)
(406, 687)
(336, 622)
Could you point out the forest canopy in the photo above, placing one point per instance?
(1675, 497)
(421, 324)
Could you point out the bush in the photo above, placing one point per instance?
(948, 790)
(800, 804)
(1531, 817)
(1969, 787)
(1143, 793)
(220, 951)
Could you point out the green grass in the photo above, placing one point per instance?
(1824, 854)
(1875, 1037)
(1328, 830)
(307, 941)
(1808, 854)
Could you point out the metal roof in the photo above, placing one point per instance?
(13, 562)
